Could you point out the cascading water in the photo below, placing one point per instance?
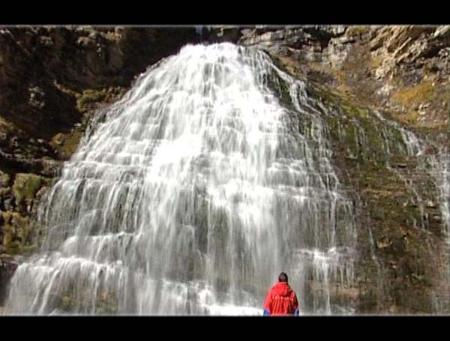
(441, 167)
(413, 147)
(210, 177)
(444, 177)
(436, 168)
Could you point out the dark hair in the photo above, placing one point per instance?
(283, 277)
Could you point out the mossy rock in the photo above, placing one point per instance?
(58, 139)
(418, 93)
(107, 305)
(4, 179)
(67, 144)
(67, 304)
(26, 186)
(16, 233)
(90, 98)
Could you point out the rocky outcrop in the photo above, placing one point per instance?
(51, 81)
(45, 71)
(401, 69)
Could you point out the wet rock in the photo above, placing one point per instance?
(431, 204)
(7, 268)
(437, 218)
(50, 167)
(8, 204)
(384, 243)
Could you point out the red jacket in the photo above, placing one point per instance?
(281, 300)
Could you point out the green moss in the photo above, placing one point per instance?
(90, 98)
(419, 93)
(70, 144)
(107, 304)
(67, 304)
(25, 186)
(67, 144)
(70, 300)
(354, 111)
(4, 179)
(357, 30)
(411, 97)
(16, 233)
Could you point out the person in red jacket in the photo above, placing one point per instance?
(281, 299)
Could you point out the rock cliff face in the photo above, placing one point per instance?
(402, 69)
(53, 79)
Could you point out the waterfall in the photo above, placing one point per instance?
(444, 176)
(436, 167)
(441, 167)
(191, 194)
